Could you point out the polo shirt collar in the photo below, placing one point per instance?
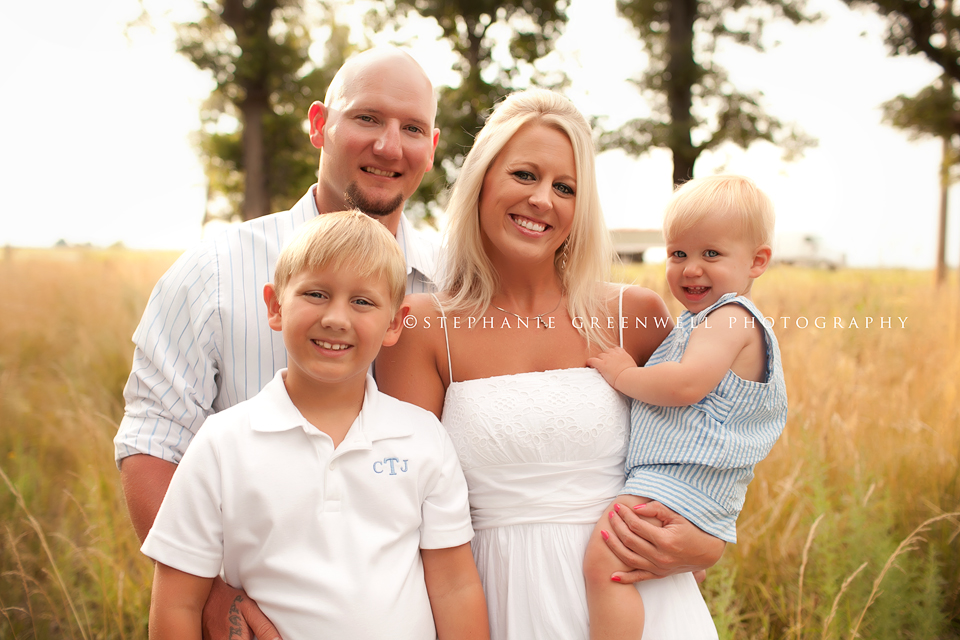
(271, 410)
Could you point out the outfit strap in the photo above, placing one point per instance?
(446, 338)
(620, 314)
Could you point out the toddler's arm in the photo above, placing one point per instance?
(176, 604)
(714, 346)
(456, 595)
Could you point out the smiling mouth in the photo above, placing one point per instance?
(378, 172)
(330, 345)
(696, 291)
(529, 225)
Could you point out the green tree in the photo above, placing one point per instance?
(690, 94)
(931, 29)
(921, 27)
(933, 112)
(472, 28)
(257, 53)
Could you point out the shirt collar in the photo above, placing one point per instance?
(419, 252)
(272, 410)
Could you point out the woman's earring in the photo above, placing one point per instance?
(563, 255)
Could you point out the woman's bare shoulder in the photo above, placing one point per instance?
(637, 300)
(647, 321)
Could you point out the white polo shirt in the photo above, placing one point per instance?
(325, 540)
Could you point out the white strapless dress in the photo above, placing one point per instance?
(543, 455)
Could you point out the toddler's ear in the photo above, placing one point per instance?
(274, 320)
(396, 326)
(761, 260)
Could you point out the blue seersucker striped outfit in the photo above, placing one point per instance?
(698, 459)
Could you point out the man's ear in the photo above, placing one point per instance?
(318, 118)
(761, 260)
(396, 326)
(433, 151)
(274, 319)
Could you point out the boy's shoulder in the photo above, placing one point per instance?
(268, 404)
(395, 418)
(402, 413)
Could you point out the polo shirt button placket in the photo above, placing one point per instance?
(332, 480)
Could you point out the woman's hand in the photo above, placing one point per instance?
(654, 552)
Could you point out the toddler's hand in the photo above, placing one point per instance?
(611, 363)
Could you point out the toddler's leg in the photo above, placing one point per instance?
(616, 610)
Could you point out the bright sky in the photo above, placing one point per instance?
(95, 136)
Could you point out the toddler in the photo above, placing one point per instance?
(711, 400)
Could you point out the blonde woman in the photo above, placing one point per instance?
(501, 356)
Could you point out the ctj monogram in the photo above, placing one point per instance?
(380, 467)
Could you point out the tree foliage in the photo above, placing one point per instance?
(927, 27)
(255, 153)
(930, 28)
(695, 107)
(478, 31)
(932, 112)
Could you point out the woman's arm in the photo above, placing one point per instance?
(410, 370)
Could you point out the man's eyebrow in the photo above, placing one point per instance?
(380, 112)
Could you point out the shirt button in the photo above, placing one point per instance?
(333, 465)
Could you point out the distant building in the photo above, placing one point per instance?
(630, 244)
(806, 250)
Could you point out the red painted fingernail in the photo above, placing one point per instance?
(604, 534)
(615, 578)
(616, 508)
(639, 506)
(610, 515)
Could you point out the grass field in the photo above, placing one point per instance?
(850, 527)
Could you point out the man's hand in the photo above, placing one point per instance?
(230, 614)
(655, 552)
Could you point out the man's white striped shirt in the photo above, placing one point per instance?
(203, 343)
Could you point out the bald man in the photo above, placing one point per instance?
(204, 345)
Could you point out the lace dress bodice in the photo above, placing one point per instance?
(530, 442)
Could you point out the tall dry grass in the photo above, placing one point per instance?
(69, 561)
(839, 537)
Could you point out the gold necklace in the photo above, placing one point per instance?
(539, 317)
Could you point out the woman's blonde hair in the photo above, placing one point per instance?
(470, 277)
(345, 240)
(736, 197)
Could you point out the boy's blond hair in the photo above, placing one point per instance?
(345, 240)
(736, 197)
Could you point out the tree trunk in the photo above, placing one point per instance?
(680, 75)
(941, 272)
(251, 25)
(256, 197)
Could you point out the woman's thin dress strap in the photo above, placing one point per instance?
(446, 338)
(619, 316)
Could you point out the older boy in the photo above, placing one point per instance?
(341, 511)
